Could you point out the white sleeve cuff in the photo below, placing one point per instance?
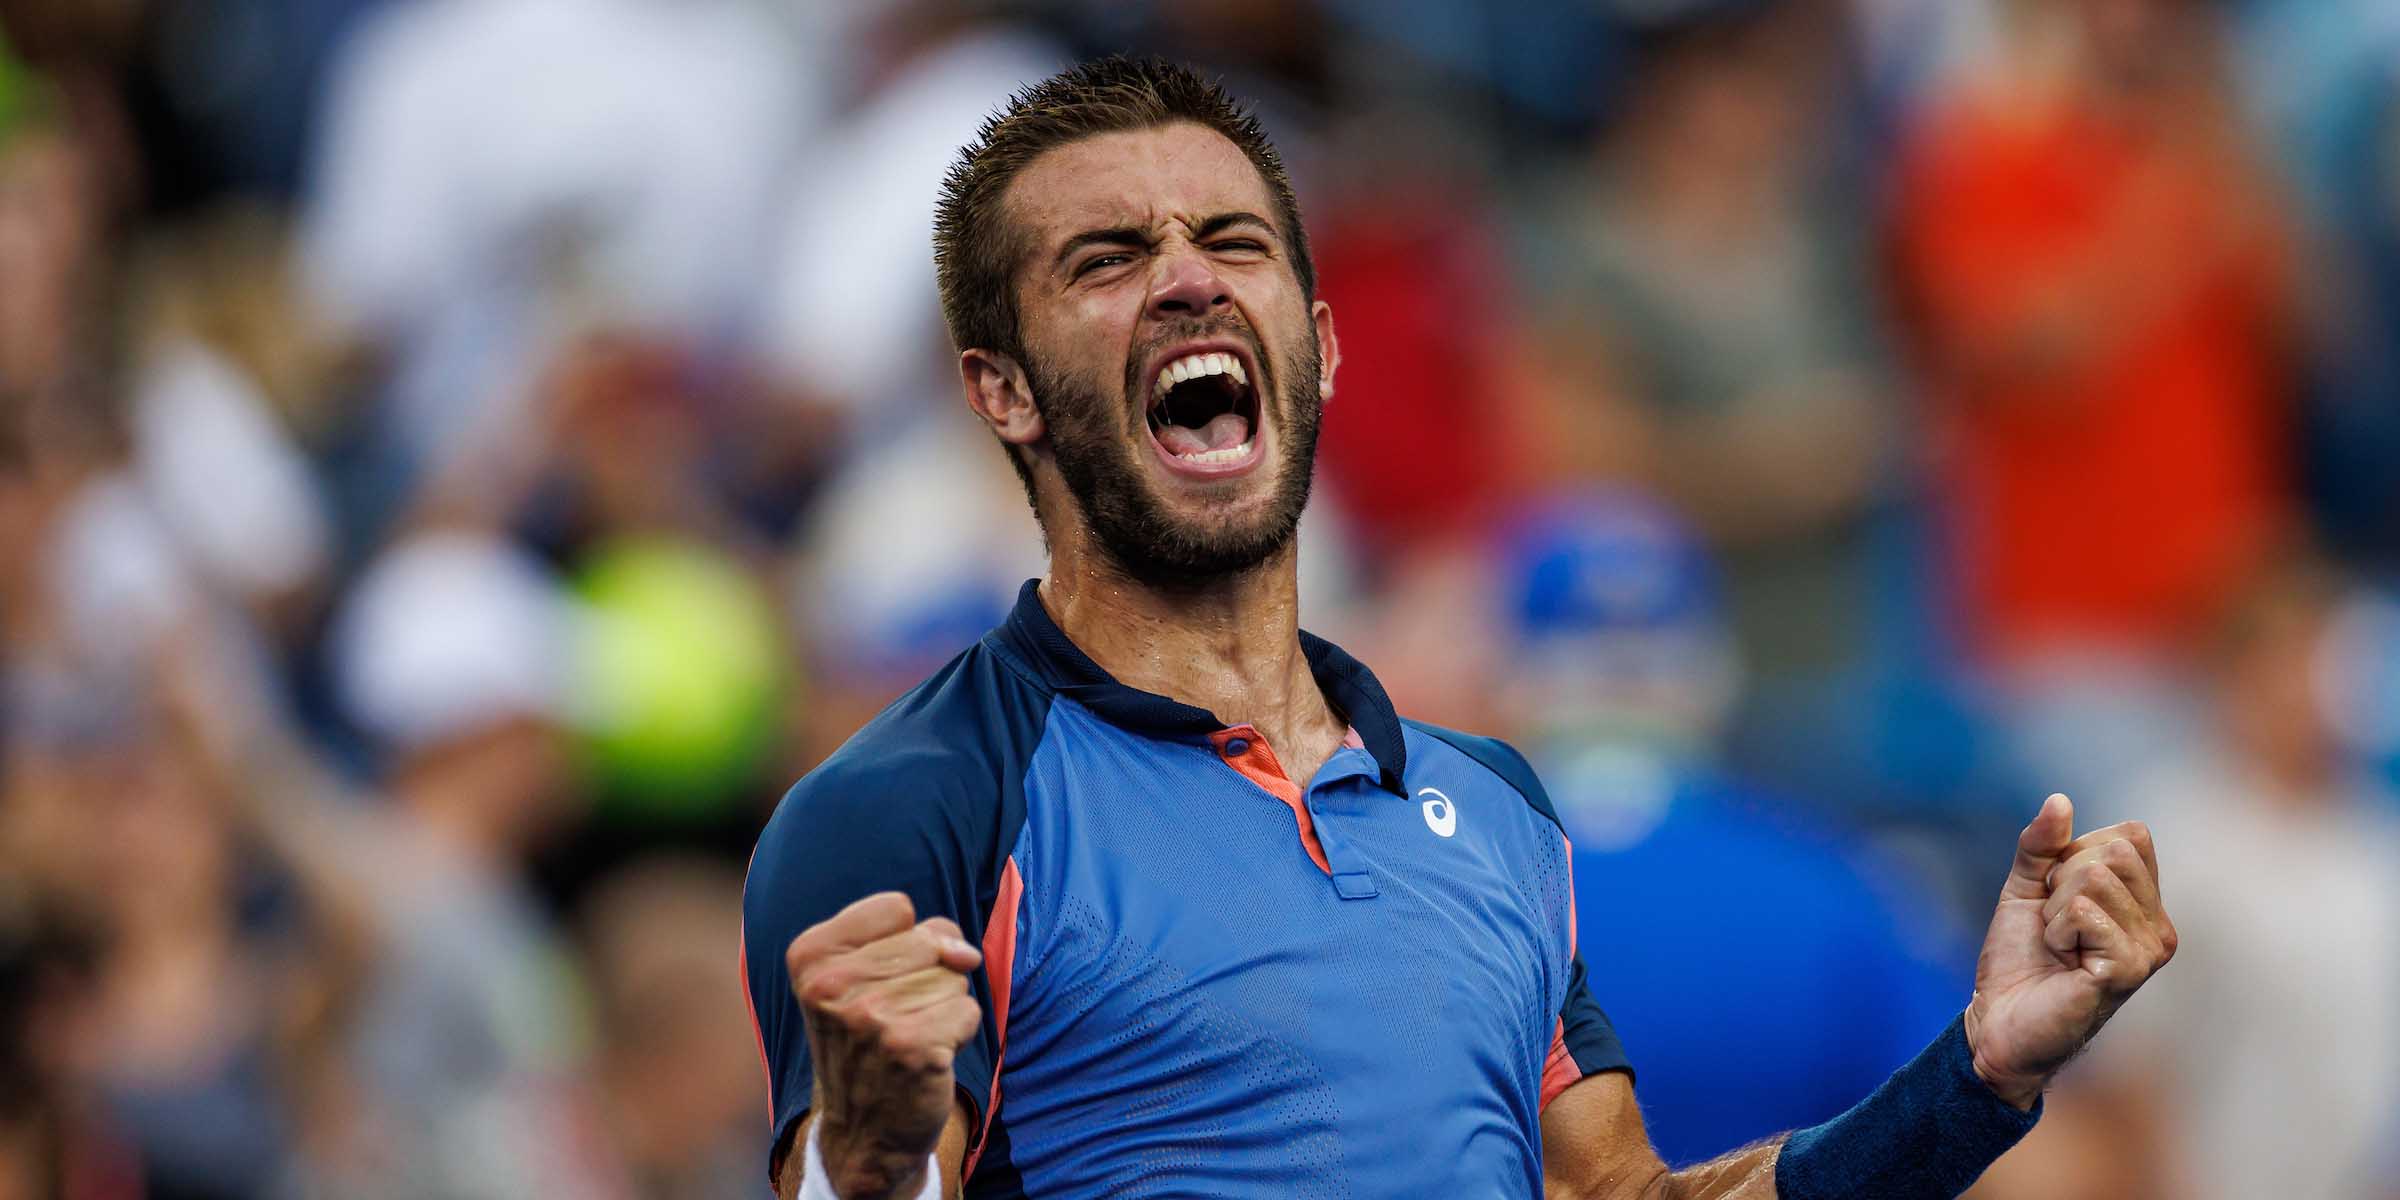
(815, 1186)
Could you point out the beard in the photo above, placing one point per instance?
(1098, 456)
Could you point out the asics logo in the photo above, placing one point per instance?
(1440, 816)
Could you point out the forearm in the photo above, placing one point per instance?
(1925, 1134)
(1745, 1174)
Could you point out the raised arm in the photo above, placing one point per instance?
(2079, 926)
(886, 1004)
(868, 992)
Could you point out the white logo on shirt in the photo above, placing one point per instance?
(1440, 817)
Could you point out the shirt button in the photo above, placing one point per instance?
(1236, 747)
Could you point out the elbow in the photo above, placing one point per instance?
(1654, 1182)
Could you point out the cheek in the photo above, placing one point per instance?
(1086, 342)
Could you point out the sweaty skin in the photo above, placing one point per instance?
(1131, 253)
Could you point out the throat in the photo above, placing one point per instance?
(1232, 649)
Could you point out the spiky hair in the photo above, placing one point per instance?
(976, 252)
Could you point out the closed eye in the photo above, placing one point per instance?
(1239, 246)
(1100, 261)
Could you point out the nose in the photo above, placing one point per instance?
(1186, 285)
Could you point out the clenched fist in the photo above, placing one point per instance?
(886, 1002)
(2079, 926)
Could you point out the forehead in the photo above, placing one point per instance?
(1141, 178)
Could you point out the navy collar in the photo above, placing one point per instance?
(1072, 673)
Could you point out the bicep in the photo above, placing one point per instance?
(1593, 1142)
(1595, 1148)
(950, 1152)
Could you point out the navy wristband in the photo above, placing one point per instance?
(1926, 1134)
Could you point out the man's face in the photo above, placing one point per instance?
(1178, 369)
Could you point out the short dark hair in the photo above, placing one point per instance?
(976, 254)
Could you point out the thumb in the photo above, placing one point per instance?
(2038, 849)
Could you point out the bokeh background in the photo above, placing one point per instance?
(461, 459)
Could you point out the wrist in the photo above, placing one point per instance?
(1925, 1134)
(2018, 1091)
(839, 1167)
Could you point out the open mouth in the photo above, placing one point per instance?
(1204, 411)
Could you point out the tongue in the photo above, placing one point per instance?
(1223, 432)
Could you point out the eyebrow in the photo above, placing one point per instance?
(1224, 221)
(1127, 235)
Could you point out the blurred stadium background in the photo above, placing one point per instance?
(461, 459)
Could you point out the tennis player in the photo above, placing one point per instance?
(1151, 893)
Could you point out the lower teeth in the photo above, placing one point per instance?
(1213, 457)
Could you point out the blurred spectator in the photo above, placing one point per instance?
(2094, 274)
(876, 613)
(473, 1042)
(2264, 1071)
(223, 983)
(1716, 906)
(485, 162)
(228, 481)
(2272, 1062)
(1703, 289)
(851, 317)
(1424, 442)
(678, 1066)
(227, 971)
(560, 434)
(156, 509)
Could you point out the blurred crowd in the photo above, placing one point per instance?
(461, 459)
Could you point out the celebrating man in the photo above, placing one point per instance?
(1151, 893)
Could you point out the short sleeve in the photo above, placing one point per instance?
(919, 822)
(1586, 1043)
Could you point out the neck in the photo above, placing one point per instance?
(1230, 645)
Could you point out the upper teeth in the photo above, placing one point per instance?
(1193, 366)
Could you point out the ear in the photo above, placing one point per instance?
(999, 393)
(1329, 349)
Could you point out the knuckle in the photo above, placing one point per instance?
(873, 1012)
(931, 1057)
(875, 915)
(823, 985)
(842, 1019)
(910, 1045)
(798, 956)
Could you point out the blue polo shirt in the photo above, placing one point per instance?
(1201, 977)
